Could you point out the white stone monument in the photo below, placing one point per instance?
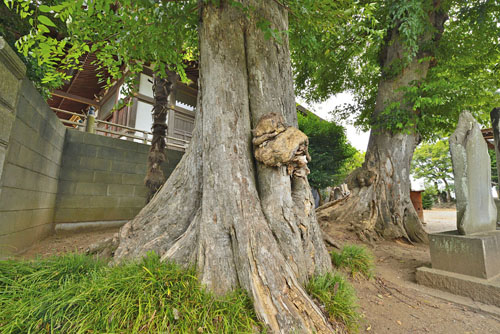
(476, 209)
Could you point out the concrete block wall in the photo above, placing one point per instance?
(102, 178)
(50, 174)
(12, 71)
(30, 173)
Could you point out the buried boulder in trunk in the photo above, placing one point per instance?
(279, 145)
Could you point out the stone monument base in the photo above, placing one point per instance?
(467, 265)
(486, 291)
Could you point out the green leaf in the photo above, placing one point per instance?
(42, 28)
(44, 9)
(46, 21)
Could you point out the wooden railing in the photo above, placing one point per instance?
(118, 130)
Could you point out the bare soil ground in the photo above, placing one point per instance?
(58, 244)
(394, 303)
(390, 303)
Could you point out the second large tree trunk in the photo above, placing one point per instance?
(241, 223)
(379, 204)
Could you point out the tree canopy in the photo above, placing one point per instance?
(330, 59)
(432, 162)
(164, 33)
(11, 28)
(328, 147)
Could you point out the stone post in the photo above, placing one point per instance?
(12, 72)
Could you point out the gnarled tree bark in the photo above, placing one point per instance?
(243, 224)
(379, 204)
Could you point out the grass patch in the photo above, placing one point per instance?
(338, 298)
(78, 294)
(357, 259)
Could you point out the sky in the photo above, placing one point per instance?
(357, 138)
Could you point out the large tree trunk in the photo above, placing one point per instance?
(162, 90)
(379, 204)
(241, 223)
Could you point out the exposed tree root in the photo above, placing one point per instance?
(377, 208)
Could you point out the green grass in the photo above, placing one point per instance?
(77, 294)
(357, 259)
(338, 298)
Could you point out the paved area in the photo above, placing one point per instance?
(440, 220)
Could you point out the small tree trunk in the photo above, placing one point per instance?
(379, 204)
(448, 192)
(162, 88)
(243, 224)
(321, 199)
(438, 194)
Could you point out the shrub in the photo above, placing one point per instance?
(429, 197)
(355, 258)
(338, 297)
(77, 294)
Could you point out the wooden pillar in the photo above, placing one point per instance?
(171, 104)
(90, 125)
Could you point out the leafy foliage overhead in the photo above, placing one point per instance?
(335, 46)
(11, 28)
(464, 74)
(136, 32)
(432, 162)
(125, 34)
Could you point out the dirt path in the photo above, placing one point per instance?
(394, 303)
(390, 303)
